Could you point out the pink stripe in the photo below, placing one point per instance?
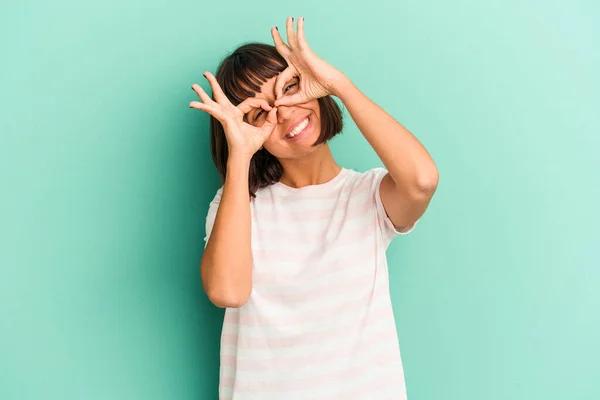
(341, 262)
(373, 387)
(389, 380)
(353, 209)
(351, 287)
(292, 363)
(288, 385)
(254, 343)
(289, 319)
(226, 381)
(229, 360)
(295, 247)
(360, 185)
(293, 236)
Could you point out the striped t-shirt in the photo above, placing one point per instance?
(319, 322)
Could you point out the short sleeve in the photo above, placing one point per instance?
(212, 213)
(385, 223)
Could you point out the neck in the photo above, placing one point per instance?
(313, 169)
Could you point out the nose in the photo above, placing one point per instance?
(284, 113)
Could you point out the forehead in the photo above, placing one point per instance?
(248, 75)
(267, 89)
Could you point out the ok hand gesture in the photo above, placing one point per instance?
(317, 77)
(242, 138)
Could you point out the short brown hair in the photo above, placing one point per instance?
(240, 75)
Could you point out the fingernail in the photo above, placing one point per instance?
(277, 29)
(292, 19)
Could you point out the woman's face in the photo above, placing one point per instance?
(298, 126)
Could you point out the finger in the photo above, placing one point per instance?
(272, 116)
(200, 92)
(302, 44)
(297, 98)
(270, 123)
(252, 102)
(291, 34)
(199, 106)
(282, 79)
(216, 88)
(206, 108)
(280, 45)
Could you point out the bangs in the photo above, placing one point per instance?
(243, 72)
(241, 75)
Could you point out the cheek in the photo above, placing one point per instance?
(273, 143)
(275, 146)
(278, 147)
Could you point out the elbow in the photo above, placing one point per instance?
(228, 298)
(426, 183)
(228, 302)
(226, 287)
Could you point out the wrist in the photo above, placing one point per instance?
(238, 170)
(238, 160)
(341, 86)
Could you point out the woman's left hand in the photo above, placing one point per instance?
(317, 77)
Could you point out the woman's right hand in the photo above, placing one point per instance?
(242, 138)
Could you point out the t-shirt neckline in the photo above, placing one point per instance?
(319, 186)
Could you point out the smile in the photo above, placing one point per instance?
(299, 129)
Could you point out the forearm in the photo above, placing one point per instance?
(407, 161)
(226, 266)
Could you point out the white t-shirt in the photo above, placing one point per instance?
(319, 322)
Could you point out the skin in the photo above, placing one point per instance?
(253, 125)
(264, 120)
(303, 163)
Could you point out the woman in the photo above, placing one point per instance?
(296, 244)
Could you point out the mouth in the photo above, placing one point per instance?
(299, 129)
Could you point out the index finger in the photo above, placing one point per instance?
(291, 35)
(280, 45)
(216, 88)
(252, 102)
(296, 98)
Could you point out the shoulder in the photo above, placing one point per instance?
(374, 173)
(366, 179)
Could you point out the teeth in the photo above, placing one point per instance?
(299, 128)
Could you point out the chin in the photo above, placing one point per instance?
(299, 151)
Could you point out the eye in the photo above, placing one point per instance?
(258, 114)
(289, 87)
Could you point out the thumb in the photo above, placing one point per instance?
(269, 126)
(297, 98)
(282, 79)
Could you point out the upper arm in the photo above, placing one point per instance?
(211, 215)
(403, 207)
